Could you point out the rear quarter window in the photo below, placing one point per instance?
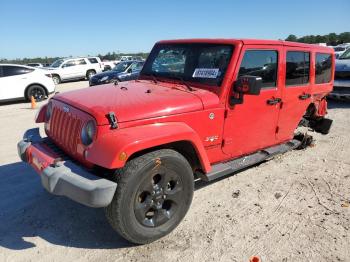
(93, 60)
(323, 66)
(15, 70)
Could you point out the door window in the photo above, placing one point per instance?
(297, 68)
(69, 64)
(261, 63)
(139, 66)
(93, 60)
(133, 66)
(323, 68)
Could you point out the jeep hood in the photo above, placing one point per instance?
(137, 100)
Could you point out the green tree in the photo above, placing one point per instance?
(332, 39)
(292, 38)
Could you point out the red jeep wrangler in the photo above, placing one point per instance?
(201, 109)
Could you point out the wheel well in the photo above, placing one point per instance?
(90, 70)
(310, 111)
(185, 148)
(35, 84)
(56, 75)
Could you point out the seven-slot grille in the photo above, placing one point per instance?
(65, 129)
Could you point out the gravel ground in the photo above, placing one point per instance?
(292, 208)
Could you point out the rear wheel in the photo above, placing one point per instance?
(36, 91)
(153, 195)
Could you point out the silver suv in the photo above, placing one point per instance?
(67, 69)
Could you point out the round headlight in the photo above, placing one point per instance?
(88, 132)
(48, 112)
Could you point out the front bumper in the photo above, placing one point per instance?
(64, 177)
(341, 89)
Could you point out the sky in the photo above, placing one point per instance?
(85, 27)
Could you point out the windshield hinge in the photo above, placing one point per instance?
(112, 120)
(226, 113)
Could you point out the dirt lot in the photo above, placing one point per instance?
(292, 208)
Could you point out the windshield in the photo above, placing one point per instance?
(345, 55)
(338, 49)
(201, 63)
(121, 67)
(57, 63)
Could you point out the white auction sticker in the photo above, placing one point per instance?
(205, 73)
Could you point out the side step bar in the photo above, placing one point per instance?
(223, 169)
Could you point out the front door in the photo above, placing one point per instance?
(296, 91)
(252, 125)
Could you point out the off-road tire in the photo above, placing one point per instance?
(121, 213)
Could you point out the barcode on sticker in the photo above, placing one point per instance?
(205, 73)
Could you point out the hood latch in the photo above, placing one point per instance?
(112, 120)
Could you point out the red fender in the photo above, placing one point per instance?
(40, 116)
(106, 149)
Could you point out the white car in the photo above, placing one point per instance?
(108, 65)
(75, 68)
(17, 81)
(35, 65)
(340, 49)
(126, 58)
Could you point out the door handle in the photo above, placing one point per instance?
(274, 101)
(304, 96)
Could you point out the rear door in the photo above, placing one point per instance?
(252, 125)
(296, 90)
(13, 81)
(96, 64)
(81, 67)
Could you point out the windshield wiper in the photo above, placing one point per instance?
(183, 82)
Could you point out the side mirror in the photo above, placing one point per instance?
(129, 70)
(248, 85)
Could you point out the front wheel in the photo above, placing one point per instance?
(56, 79)
(153, 195)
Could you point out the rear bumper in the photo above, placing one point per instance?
(64, 178)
